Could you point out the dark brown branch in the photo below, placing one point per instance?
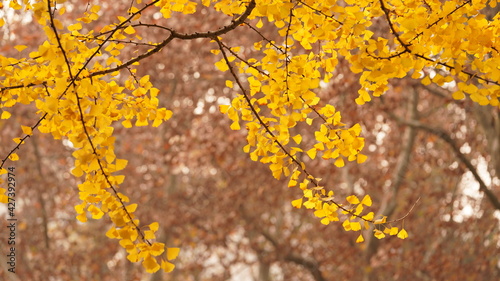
(287, 60)
(462, 157)
(134, 60)
(118, 27)
(130, 42)
(311, 265)
(183, 36)
(265, 38)
(391, 26)
(245, 61)
(470, 74)
(320, 12)
(22, 140)
(388, 57)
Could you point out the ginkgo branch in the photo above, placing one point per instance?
(407, 49)
(269, 76)
(407, 213)
(89, 138)
(96, 38)
(320, 12)
(391, 26)
(183, 36)
(22, 140)
(236, 55)
(299, 163)
(287, 60)
(265, 38)
(441, 18)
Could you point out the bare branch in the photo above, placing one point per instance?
(183, 36)
(456, 149)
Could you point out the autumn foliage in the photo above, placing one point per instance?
(82, 80)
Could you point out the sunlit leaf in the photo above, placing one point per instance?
(367, 200)
(402, 234)
(352, 199)
(172, 253)
(360, 239)
(297, 203)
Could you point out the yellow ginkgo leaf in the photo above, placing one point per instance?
(129, 30)
(3, 198)
(361, 158)
(339, 162)
(222, 65)
(347, 225)
(112, 233)
(458, 95)
(77, 171)
(150, 264)
(223, 108)
(172, 253)
(133, 257)
(393, 231)
(126, 123)
(167, 266)
(149, 235)
(297, 139)
(259, 24)
(235, 126)
(369, 216)
(312, 153)
(355, 226)
(353, 199)
(379, 234)
(154, 226)
(82, 217)
(157, 249)
(13, 157)
(121, 164)
(5, 115)
(27, 130)
(402, 234)
(297, 203)
(360, 239)
(367, 200)
(380, 221)
(20, 48)
(131, 208)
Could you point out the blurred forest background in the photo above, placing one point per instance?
(230, 217)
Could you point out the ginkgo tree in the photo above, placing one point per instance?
(83, 82)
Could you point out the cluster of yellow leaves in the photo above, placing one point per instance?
(83, 108)
(144, 251)
(429, 37)
(283, 84)
(452, 37)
